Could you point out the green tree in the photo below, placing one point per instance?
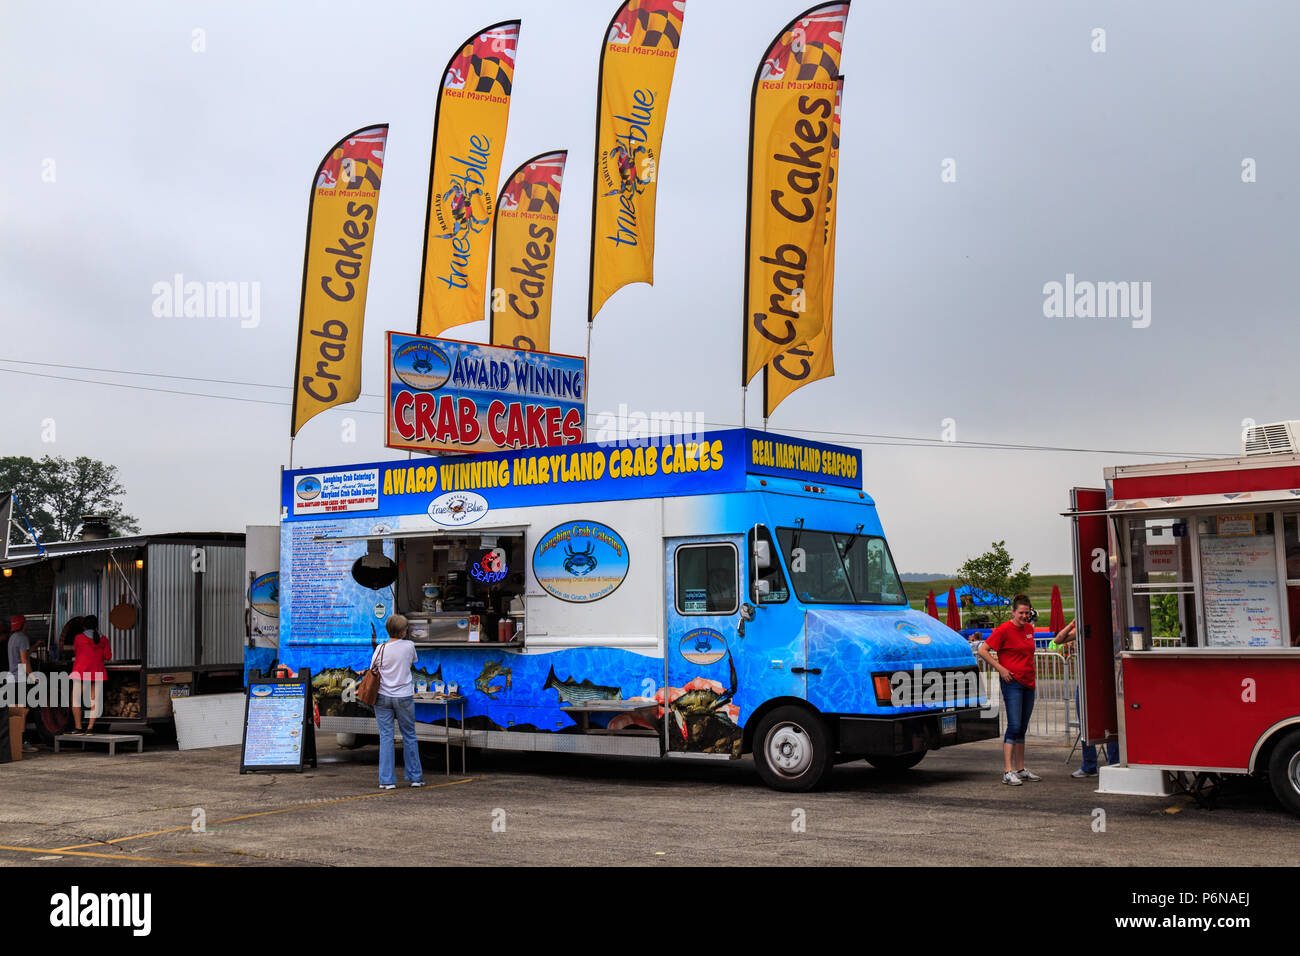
(1164, 615)
(54, 493)
(993, 571)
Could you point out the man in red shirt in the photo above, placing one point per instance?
(1014, 643)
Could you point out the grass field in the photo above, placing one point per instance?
(1040, 592)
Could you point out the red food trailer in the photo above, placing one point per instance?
(1187, 591)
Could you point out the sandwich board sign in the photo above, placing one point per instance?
(278, 731)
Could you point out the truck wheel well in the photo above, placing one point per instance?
(747, 745)
(1265, 752)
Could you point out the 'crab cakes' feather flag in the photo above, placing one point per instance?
(523, 253)
(636, 75)
(801, 364)
(469, 136)
(336, 269)
(789, 148)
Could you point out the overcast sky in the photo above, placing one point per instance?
(132, 158)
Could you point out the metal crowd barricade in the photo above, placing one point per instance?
(1055, 711)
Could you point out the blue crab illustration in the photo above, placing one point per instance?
(462, 211)
(422, 363)
(580, 562)
(628, 163)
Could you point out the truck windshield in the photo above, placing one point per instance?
(833, 567)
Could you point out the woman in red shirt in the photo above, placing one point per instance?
(92, 651)
(1014, 642)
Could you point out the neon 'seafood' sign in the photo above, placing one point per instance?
(490, 569)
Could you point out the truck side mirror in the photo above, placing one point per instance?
(762, 587)
(762, 554)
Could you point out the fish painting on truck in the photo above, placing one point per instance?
(696, 597)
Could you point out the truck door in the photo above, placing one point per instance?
(1092, 604)
(706, 660)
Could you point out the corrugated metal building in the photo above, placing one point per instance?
(187, 591)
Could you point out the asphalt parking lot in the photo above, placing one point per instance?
(195, 809)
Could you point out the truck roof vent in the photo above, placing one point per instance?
(1279, 438)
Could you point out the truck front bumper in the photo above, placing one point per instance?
(912, 733)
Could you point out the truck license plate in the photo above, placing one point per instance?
(948, 723)
(184, 691)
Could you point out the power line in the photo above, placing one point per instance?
(863, 439)
(164, 391)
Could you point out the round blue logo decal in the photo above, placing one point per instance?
(307, 488)
(703, 646)
(912, 632)
(262, 690)
(422, 365)
(580, 561)
(264, 594)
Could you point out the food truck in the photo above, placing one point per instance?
(688, 597)
(1187, 587)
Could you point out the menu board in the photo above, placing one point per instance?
(1239, 582)
(277, 731)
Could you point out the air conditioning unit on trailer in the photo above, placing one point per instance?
(1280, 438)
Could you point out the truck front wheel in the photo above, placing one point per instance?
(1284, 771)
(792, 750)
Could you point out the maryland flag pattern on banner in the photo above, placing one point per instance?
(523, 253)
(340, 235)
(789, 152)
(636, 75)
(469, 136)
(801, 364)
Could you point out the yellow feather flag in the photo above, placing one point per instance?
(636, 75)
(523, 253)
(789, 152)
(801, 364)
(336, 270)
(469, 136)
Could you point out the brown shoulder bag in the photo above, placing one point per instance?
(368, 689)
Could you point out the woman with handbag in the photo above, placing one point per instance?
(392, 662)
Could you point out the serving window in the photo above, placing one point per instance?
(444, 579)
(1163, 594)
(1228, 580)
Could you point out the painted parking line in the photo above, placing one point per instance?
(109, 856)
(260, 813)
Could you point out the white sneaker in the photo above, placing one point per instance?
(1024, 774)
(1082, 774)
(1012, 779)
(388, 786)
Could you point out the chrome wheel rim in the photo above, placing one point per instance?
(1293, 771)
(789, 749)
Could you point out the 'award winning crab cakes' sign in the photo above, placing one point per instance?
(580, 561)
(445, 395)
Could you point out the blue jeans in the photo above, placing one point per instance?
(1018, 700)
(1090, 750)
(403, 708)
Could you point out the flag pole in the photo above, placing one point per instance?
(586, 385)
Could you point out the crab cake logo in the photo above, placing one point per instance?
(457, 508)
(912, 632)
(307, 488)
(580, 561)
(703, 645)
(422, 365)
(262, 690)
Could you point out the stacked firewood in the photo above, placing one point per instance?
(122, 700)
